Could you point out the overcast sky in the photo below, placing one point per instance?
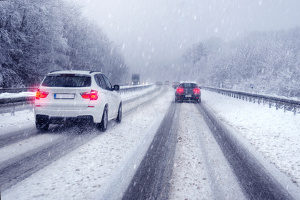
(156, 32)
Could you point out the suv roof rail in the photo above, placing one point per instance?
(94, 72)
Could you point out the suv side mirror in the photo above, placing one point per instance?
(116, 87)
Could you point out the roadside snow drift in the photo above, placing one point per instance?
(274, 133)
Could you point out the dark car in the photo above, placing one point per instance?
(188, 92)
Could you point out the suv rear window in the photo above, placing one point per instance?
(67, 80)
(188, 85)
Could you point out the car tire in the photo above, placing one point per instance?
(42, 126)
(103, 124)
(119, 117)
(199, 101)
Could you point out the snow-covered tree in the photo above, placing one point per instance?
(43, 35)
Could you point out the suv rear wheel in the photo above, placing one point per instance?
(103, 125)
(42, 123)
(42, 126)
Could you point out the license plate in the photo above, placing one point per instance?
(64, 96)
(188, 95)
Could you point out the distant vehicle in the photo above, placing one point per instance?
(77, 96)
(158, 83)
(175, 84)
(135, 79)
(188, 92)
(167, 82)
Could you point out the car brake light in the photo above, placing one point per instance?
(92, 95)
(180, 90)
(196, 91)
(41, 94)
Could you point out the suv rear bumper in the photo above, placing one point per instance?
(61, 120)
(94, 113)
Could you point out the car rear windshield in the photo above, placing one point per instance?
(67, 80)
(188, 85)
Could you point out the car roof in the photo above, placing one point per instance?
(83, 72)
(190, 82)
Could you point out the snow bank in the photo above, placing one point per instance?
(16, 95)
(132, 94)
(273, 133)
(20, 120)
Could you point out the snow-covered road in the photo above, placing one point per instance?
(161, 150)
(200, 169)
(93, 166)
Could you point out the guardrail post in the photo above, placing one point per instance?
(13, 111)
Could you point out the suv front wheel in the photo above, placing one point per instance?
(119, 117)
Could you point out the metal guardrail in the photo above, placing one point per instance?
(29, 99)
(279, 103)
(130, 88)
(16, 90)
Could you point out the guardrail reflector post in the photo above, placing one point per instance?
(13, 111)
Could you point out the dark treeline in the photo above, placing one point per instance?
(38, 36)
(264, 62)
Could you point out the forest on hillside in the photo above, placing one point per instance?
(260, 62)
(40, 36)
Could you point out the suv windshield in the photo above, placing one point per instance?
(67, 80)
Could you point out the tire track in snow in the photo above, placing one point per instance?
(254, 178)
(200, 170)
(151, 180)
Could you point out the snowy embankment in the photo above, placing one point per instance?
(94, 168)
(16, 95)
(135, 93)
(10, 122)
(274, 133)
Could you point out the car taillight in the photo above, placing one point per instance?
(196, 91)
(179, 90)
(92, 95)
(41, 94)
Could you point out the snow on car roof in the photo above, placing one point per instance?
(188, 82)
(74, 72)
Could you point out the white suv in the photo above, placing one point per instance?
(76, 96)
